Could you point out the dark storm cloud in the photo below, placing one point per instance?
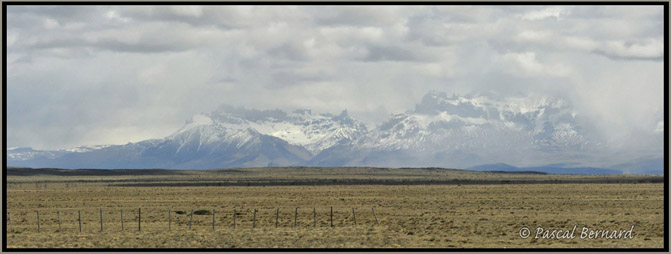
(86, 75)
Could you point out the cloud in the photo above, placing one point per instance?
(554, 12)
(377, 53)
(526, 64)
(289, 51)
(86, 75)
(651, 49)
(660, 127)
(358, 15)
(647, 49)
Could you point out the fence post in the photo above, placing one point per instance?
(376, 221)
(101, 220)
(9, 217)
(59, 221)
(213, 220)
(295, 216)
(38, 221)
(354, 213)
(191, 221)
(331, 216)
(254, 223)
(122, 220)
(79, 212)
(314, 215)
(139, 219)
(169, 219)
(277, 214)
(234, 215)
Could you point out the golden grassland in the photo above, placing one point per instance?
(410, 216)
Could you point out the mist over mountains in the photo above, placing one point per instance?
(478, 131)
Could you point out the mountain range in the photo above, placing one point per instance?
(475, 130)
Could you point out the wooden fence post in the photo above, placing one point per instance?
(101, 220)
(314, 215)
(213, 220)
(376, 221)
(9, 217)
(59, 221)
(139, 219)
(79, 212)
(354, 213)
(254, 223)
(191, 221)
(277, 214)
(38, 221)
(122, 220)
(331, 216)
(295, 216)
(234, 215)
(169, 219)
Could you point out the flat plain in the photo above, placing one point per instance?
(415, 208)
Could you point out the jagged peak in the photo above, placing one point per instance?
(344, 113)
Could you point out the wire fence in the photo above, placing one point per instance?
(176, 218)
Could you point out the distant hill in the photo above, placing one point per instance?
(550, 169)
(645, 166)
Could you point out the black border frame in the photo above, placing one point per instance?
(665, 4)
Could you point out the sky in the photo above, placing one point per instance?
(91, 75)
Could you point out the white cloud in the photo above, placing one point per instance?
(148, 68)
(652, 48)
(187, 10)
(115, 16)
(555, 12)
(526, 61)
(534, 36)
(660, 127)
(580, 43)
(646, 49)
(526, 64)
(51, 23)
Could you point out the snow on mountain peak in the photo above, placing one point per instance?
(315, 132)
(479, 120)
(477, 103)
(197, 120)
(201, 119)
(81, 149)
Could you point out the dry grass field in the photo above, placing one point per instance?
(457, 215)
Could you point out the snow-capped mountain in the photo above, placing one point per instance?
(227, 137)
(314, 132)
(455, 122)
(442, 131)
(460, 131)
(27, 153)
